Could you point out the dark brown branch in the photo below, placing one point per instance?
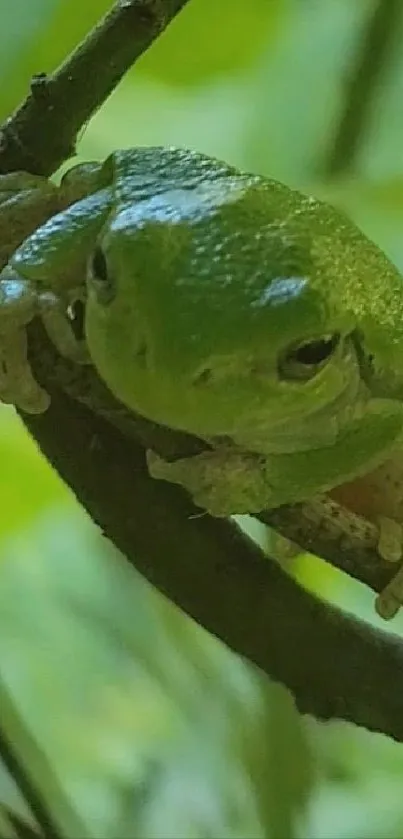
(334, 665)
(364, 80)
(343, 539)
(41, 134)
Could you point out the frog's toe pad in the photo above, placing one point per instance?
(387, 603)
(390, 548)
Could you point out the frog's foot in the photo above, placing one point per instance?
(223, 482)
(390, 548)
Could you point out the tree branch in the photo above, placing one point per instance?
(335, 665)
(343, 539)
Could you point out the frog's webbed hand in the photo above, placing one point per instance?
(21, 301)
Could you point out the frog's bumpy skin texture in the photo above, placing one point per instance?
(256, 246)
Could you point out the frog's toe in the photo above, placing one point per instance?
(388, 603)
(17, 384)
(390, 548)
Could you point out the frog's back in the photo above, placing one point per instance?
(348, 272)
(146, 171)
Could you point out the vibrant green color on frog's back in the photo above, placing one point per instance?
(212, 278)
(231, 307)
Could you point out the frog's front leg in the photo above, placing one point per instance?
(26, 202)
(222, 481)
(18, 305)
(21, 301)
(17, 384)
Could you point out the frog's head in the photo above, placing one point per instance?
(216, 311)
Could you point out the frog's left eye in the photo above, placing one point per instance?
(302, 361)
(100, 277)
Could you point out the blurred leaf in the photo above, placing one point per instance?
(146, 700)
(37, 36)
(209, 39)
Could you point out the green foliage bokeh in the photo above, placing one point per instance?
(153, 727)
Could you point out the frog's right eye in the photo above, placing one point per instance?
(100, 278)
(303, 361)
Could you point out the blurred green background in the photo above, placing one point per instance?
(153, 727)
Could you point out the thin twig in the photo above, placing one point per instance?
(41, 134)
(343, 539)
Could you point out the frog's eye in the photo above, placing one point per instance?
(302, 361)
(100, 278)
